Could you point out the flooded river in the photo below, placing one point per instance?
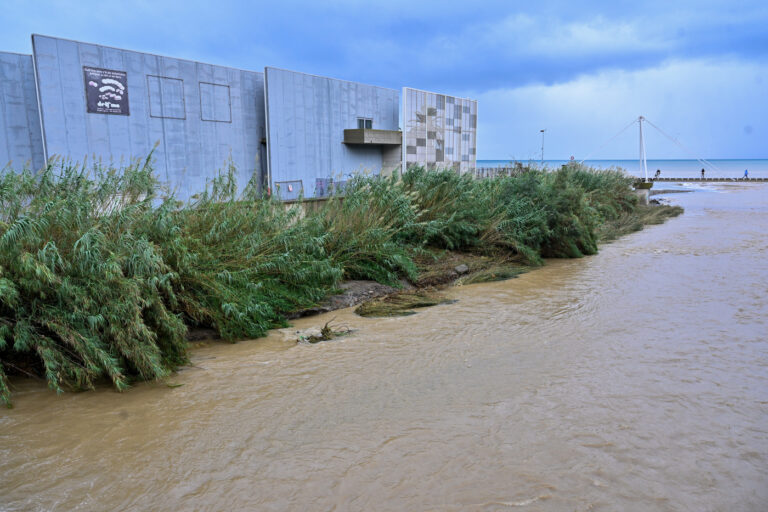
(636, 379)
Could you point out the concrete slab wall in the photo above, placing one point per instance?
(21, 144)
(200, 114)
(306, 119)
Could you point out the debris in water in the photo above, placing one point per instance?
(401, 304)
(326, 333)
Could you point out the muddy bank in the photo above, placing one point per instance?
(352, 293)
(437, 271)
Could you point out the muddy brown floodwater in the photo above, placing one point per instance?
(636, 379)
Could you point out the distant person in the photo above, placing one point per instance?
(702, 174)
(746, 174)
(658, 173)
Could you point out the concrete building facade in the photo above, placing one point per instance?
(440, 130)
(307, 119)
(21, 143)
(295, 134)
(199, 115)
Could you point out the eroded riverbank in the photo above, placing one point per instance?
(629, 380)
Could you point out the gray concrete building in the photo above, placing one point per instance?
(20, 140)
(293, 133)
(316, 128)
(199, 115)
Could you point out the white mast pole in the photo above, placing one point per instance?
(643, 162)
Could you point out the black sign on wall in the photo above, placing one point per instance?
(106, 91)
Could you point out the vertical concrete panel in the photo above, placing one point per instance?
(118, 127)
(253, 131)
(307, 119)
(96, 132)
(164, 107)
(139, 134)
(78, 146)
(21, 142)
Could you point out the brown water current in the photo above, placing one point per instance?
(636, 379)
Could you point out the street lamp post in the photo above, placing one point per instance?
(542, 147)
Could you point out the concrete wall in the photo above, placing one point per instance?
(306, 119)
(20, 140)
(199, 113)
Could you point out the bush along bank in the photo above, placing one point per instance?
(103, 271)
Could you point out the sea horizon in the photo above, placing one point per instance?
(669, 167)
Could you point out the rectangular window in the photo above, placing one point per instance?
(288, 190)
(364, 122)
(215, 103)
(166, 97)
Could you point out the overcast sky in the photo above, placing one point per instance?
(582, 70)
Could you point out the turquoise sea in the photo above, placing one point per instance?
(732, 168)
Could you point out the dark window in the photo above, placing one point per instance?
(421, 142)
(323, 186)
(432, 111)
(466, 109)
(440, 102)
(410, 150)
(473, 121)
(339, 186)
(449, 151)
(364, 122)
(431, 135)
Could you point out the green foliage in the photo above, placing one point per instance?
(81, 291)
(361, 231)
(102, 270)
(242, 262)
